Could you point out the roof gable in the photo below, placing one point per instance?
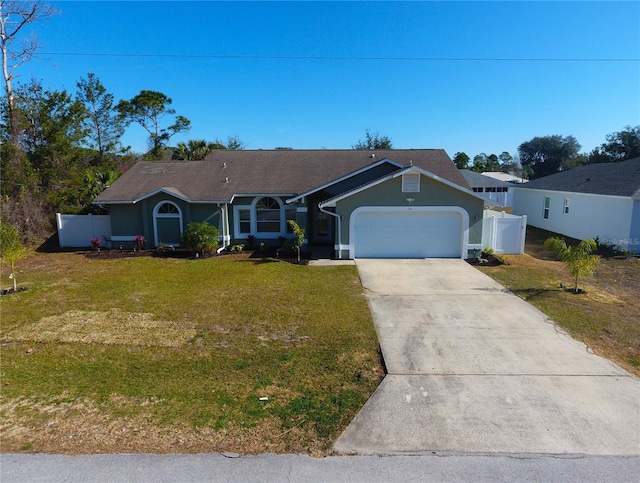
(343, 178)
(331, 202)
(616, 179)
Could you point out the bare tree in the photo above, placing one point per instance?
(14, 16)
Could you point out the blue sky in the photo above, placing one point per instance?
(454, 75)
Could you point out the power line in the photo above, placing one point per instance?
(344, 58)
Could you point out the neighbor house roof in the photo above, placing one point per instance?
(477, 180)
(508, 177)
(618, 179)
(226, 173)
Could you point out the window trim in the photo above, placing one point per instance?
(565, 207)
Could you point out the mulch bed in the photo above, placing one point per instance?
(114, 254)
(488, 261)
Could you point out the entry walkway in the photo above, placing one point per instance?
(473, 368)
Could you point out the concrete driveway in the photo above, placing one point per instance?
(473, 368)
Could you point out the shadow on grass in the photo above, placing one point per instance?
(534, 292)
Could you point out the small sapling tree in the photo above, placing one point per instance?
(11, 249)
(298, 236)
(579, 260)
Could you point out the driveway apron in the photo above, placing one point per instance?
(473, 368)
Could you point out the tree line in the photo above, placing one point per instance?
(545, 155)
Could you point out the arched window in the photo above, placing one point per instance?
(268, 218)
(168, 208)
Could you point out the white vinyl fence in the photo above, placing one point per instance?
(504, 233)
(77, 231)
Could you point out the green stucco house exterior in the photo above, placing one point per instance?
(363, 204)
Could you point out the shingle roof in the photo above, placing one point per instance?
(477, 180)
(226, 173)
(620, 179)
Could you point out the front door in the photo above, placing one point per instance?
(322, 227)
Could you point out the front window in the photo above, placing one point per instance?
(265, 218)
(245, 221)
(268, 216)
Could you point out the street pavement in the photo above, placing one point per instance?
(216, 467)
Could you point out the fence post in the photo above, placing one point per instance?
(523, 232)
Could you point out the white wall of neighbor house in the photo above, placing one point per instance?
(578, 215)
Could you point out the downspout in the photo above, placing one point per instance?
(339, 219)
(224, 225)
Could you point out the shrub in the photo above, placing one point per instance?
(140, 241)
(251, 241)
(200, 238)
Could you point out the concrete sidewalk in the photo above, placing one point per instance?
(473, 368)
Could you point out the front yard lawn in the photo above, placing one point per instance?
(160, 355)
(606, 317)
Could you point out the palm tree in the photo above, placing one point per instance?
(579, 260)
(96, 181)
(194, 149)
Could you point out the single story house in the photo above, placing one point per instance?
(496, 192)
(383, 203)
(597, 200)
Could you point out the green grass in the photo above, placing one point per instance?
(299, 335)
(605, 317)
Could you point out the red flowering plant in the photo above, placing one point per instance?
(95, 243)
(140, 241)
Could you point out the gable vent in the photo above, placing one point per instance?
(411, 183)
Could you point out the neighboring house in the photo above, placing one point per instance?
(498, 193)
(507, 177)
(597, 200)
(394, 203)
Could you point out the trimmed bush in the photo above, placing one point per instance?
(200, 238)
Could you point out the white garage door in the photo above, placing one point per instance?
(407, 234)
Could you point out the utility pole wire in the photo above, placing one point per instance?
(346, 58)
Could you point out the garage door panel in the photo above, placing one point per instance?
(407, 234)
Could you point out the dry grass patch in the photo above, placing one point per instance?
(112, 327)
(61, 425)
